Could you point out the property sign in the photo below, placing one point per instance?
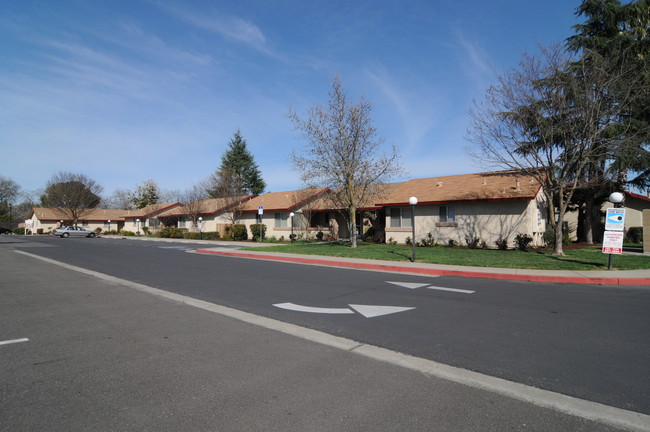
(260, 210)
(615, 220)
(613, 242)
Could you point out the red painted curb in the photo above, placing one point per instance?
(440, 272)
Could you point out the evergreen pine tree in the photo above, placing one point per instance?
(237, 161)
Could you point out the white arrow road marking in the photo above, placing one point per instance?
(368, 311)
(7, 342)
(415, 285)
(451, 289)
(299, 308)
(375, 311)
(409, 285)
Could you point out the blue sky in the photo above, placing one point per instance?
(128, 90)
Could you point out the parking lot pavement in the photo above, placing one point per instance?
(103, 356)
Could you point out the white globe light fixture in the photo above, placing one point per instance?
(616, 197)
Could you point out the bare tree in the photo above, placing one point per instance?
(228, 185)
(120, 199)
(343, 153)
(549, 118)
(304, 200)
(194, 199)
(8, 189)
(74, 194)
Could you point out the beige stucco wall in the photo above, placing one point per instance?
(48, 225)
(487, 221)
(634, 208)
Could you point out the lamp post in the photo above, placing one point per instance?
(413, 201)
(201, 227)
(137, 226)
(10, 230)
(291, 237)
(61, 224)
(616, 198)
(109, 224)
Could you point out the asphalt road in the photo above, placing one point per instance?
(590, 342)
(103, 356)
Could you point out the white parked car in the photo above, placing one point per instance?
(73, 231)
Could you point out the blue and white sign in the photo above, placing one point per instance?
(615, 220)
(260, 210)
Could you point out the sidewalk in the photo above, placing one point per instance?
(611, 277)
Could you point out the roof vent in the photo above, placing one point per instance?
(439, 184)
(484, 181)
(517, 187)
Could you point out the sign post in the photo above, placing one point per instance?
(614, 233)
(260, 212)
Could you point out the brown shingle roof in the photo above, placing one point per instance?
(56, 214)
(149, 210)
(491, 186)
(284, 201)
(209, 206)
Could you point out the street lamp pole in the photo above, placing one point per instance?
(10, 230)
(617, 199)
(413, 201)
(291, 214)
(201, 227)
(137, 226)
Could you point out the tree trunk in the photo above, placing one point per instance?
(589, 219)
(558, 251)
(353, 226)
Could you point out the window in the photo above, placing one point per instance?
(154, 222)
(447, 214)
(281, 219)
(84, 223)
(181, 222)
(400, 217)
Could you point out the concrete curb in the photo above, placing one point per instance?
(433, 271)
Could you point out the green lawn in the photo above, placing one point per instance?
(588, 258)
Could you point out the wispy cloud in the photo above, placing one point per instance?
(417, 104)
(475, 61)
(229, 27)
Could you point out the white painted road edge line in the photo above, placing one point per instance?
(13, 341)
(616, 417)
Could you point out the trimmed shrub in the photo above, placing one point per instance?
(452, 243)
(502, 244)
(320, 235)
(39, 231)
(239, 232)
(473, 242)
(549, 238)
(523, 240)
(255, 231)
(171, 232)
(428, 241)
(634, 235)
(19, 231)
(191, 235)
(126, 233)
(211, 235)
(145, 229)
